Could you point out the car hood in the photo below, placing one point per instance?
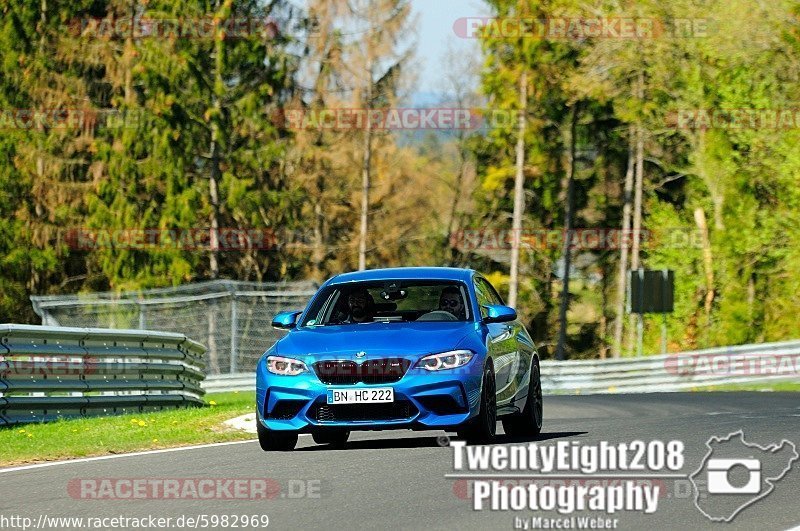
(376, 339)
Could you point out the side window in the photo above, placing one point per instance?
(483, 295)
(493, 295)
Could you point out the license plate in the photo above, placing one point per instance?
(373, 395)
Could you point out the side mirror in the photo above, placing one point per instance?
(497, 313)
(285, 320)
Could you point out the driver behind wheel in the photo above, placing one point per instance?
(362, 306)
(450, 301)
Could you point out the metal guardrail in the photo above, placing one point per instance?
(675, 372)
(225, 383)
(232, 318)
(48, 373)
(664, 373)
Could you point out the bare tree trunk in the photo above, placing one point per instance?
(39, 210)
(366, 167)
(213, 351)
(451, 220)
(127, 55)
(43, 22)
(603, 325)
(715, 187)
(636, 319)
(708, 261)
(622, 277)
(216, 172)
(519, 192)
(365, 181)
(319, 249)
(567, 251)
(376, 62)
(213, 194)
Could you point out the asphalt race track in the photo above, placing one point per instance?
(396, 479)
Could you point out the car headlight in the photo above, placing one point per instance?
(445, 360)
(285, 366)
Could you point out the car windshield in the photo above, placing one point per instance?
(389, 301)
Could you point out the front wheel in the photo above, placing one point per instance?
(275, 441)
(529, 422)
(483, 427)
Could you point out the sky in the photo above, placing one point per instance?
(435, 36)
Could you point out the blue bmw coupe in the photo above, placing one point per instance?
(415, 348)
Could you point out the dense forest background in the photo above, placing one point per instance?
(613, 134)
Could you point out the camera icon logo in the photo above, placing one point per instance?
(719, 476)
(735, 474)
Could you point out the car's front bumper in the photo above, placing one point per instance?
(422, 400)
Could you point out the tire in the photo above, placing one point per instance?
(483, 427)
(529, 422)
(335, 439)
(275, 441)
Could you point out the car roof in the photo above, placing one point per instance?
(405, 273)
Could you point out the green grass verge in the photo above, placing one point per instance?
(754, 386)
(86, 437)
